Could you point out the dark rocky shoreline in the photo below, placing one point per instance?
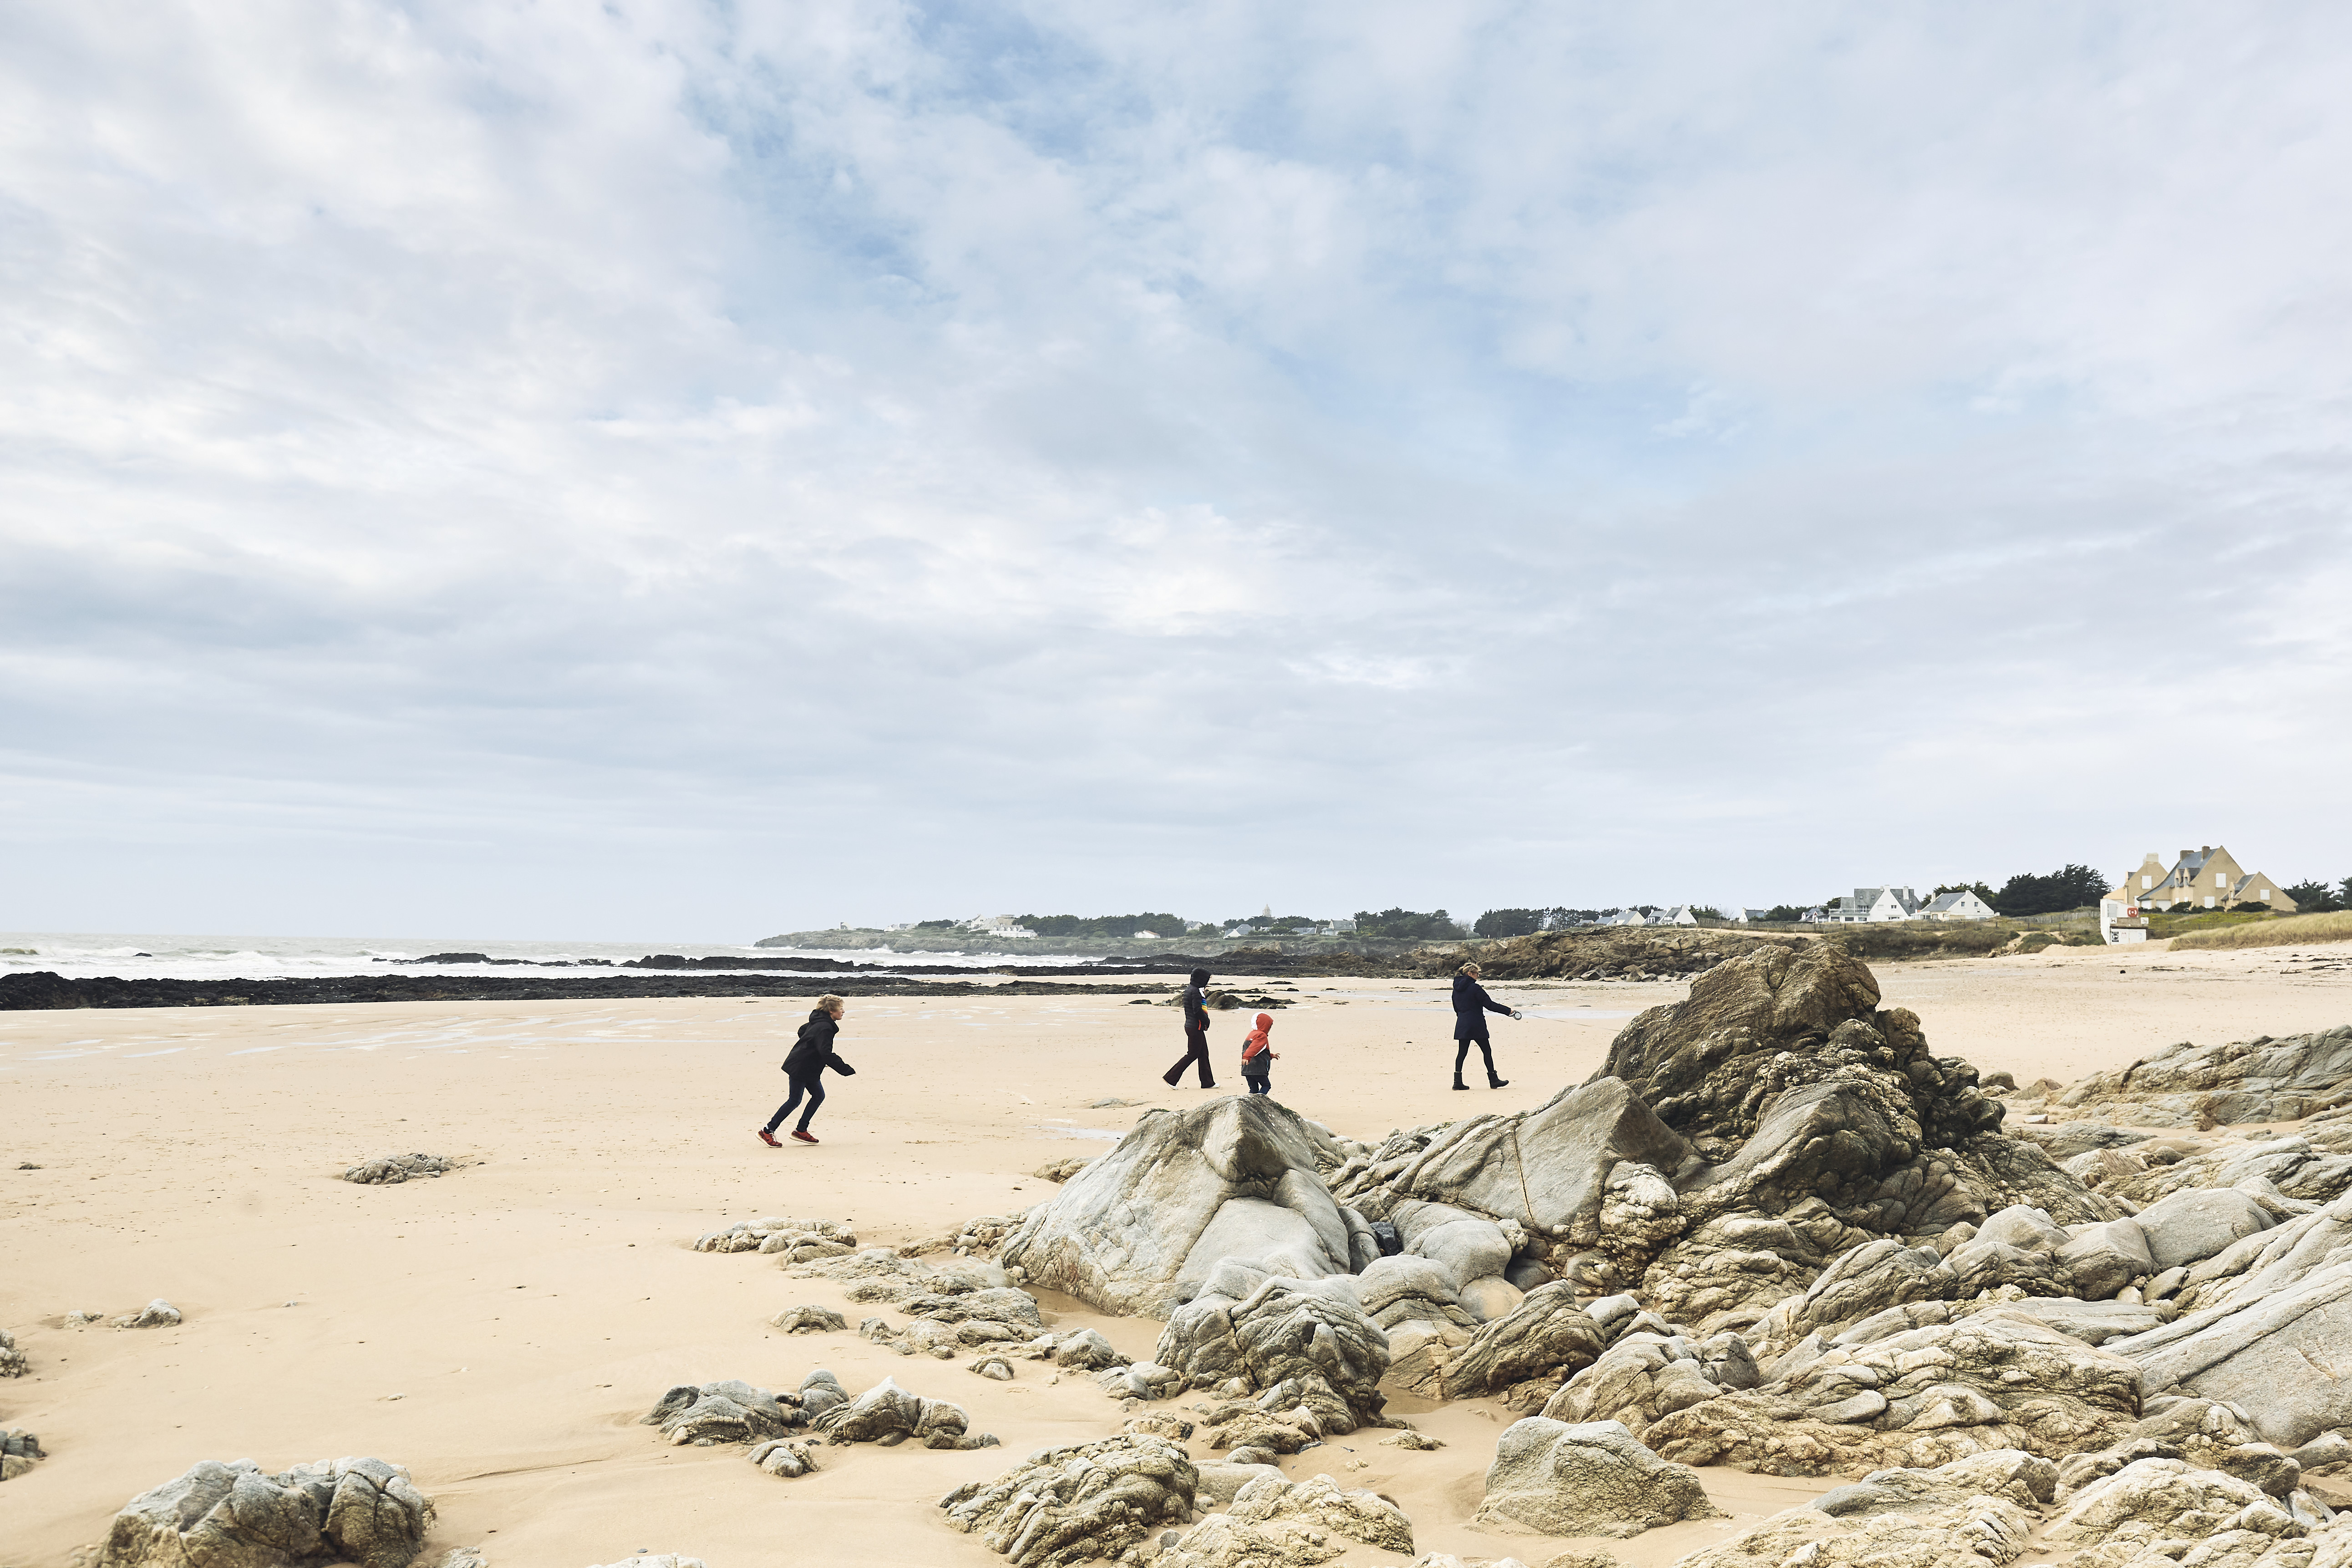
(43, 989)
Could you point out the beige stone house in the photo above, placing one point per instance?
(2205, 879)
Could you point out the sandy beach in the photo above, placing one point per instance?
(499, 1330)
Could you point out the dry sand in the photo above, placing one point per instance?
(499, 1330)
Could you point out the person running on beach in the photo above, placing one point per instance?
(804, 1067)
(1470, 1005)
(1196, 1033)
(1258, 1056)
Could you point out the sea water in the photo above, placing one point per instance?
(131, 956)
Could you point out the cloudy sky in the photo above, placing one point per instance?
(654, 470)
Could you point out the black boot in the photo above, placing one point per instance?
(1493, 1082)
(1458, 1083)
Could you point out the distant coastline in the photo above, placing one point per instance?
(911, 943)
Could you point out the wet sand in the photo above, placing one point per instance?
(499, 1330)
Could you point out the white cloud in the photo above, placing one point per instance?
(829, 461)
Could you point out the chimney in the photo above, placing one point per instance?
(2207, 850)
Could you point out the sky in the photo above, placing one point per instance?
(701, 471)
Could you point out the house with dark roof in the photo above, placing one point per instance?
(1870, 905)
(1963, 905)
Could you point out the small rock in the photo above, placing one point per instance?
(992, 1366)
(156, 1314)
(809, 1320)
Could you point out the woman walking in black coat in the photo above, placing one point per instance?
(1196, 1033)
(1470, 1005)
(804, 1067)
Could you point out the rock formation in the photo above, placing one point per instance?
(19, 1451)
(729, 1411)
(1069, 1505)
(1318, 1344)
(809, 1320)
(1273, 1523)
(387, 1169)
(362, 1511)
(887, 1414)
(799, 1240)
(1559, 1479)
(1141, 1229)
(13, 1363)
(1975, 1512)
(156, 1314)
(2262, 1080)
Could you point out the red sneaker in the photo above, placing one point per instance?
(769, 1138)
(803, 1134)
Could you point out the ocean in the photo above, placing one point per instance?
(130, 956)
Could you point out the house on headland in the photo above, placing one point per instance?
(1962, 905)
(1869, 905)
(2207, 878)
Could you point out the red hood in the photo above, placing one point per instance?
(1265, 1022)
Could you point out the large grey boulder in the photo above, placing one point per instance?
(2102, 1258)
(1363, 1516)
(1856, 1284)
(2297, 1167)
(1284, 1334)
(1069, 1505)
(1142, 1228)
(362, 1511)
(2271, 1352)
(2262, 1080)
(1556, 1478)
(2192, 1225)
(1548, 1168)
(2169, 1501)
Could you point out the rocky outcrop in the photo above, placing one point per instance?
(1142, 1228)
(2257, 1317)
(729, 1411)
(1646, 1376)
(1069, 1505)
(1415, 1302)
(1315, 1345)
(389, 1170)
(2311, 1166)
(798, 1240)
(1274, 1523)
(1593, 1478)
(809, 1320)
(20, 1452)
(1768, 1021)
(1888, 1393)
(888, 1414)
(786, 1457)
(1547, 1169)
(2155, 1503)
(13, 1361)
(156, 1314)
(2260, 1079)
(1976, 1512)
(362, 1511)
(1530, 1351)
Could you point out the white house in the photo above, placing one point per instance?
(1623, 918)
(997, 926)
(1680, 915)
(1963, 905)
(1870, 905)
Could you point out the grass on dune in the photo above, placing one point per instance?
(2284, 932)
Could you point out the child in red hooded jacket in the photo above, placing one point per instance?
(1258, 1056)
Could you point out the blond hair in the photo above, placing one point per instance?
(831, 1004)
(1467, 969)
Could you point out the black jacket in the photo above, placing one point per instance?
(1470, 1005)
(812, 1052)
(1196, 1013)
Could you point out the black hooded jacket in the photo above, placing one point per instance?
(1470, 1005)
(812, 1052)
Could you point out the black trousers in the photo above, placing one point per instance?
(1461, 1054)
(1196, 1050)
(812, 1086)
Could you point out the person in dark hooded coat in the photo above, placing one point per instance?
(1470, 1005)
(804, 1067)
(1196, 1033)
